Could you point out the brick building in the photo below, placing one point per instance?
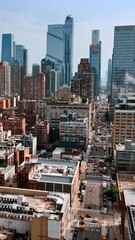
(17, 125)
(83, 81)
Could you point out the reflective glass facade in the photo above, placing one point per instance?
(7, 48)
(19, 54)
(60, 48)
(123, 61)
(95, 60)
(68, 39)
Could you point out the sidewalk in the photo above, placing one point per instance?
(73, 217)
(115, 233)
(73, 211)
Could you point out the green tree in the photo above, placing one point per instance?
(109, 160)
(112, 194)
(84, 99)
(52, 100)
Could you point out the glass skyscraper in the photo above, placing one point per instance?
(109, 76)
(60, 48)
(68, 44)
(123, 61)
(95, 60)
(7, 48)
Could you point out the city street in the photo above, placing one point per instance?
(96, 209)
(91, 193)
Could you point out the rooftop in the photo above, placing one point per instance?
(55, 179)
(54, 171)
(26, 167)
(129, 195)
(23, 207)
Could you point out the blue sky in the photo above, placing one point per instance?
(28, 20)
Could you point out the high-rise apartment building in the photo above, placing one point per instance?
(5, 79)
(124, 120)
(34, 88)
(82, 83)
(22, 58)
(60, 48)
(54, 82)
(123, 61)
(28, 88)
(95, 60)
(39, 87)
(7, 48)
(15, 77)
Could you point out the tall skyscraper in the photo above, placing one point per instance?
(5, 79)
(34, 88)
(60, 48)
(123, 61)
(22, 58)
(68, 46)
(54, 82)
(7, 48)
(35, 69)
(82, 83)
(15, 77)
(109, 76)
(95, 60)
(21, 55)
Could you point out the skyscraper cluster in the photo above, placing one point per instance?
(57, 65)
(14, 60)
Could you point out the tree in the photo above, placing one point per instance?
(112, 194)
(109, 159)
(84, 100)
(52, 100)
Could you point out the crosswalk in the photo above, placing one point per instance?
(93, 184)
(93, 226)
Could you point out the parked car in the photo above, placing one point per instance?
(89, 206)
(88, 215)
(95, 220)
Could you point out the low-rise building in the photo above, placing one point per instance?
(74, 134)
(27, 141)
(6, 173)
(57, 176)
(50, 175)
(35, 214)
(67, 153)
(126, 187)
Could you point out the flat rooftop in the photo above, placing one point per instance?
(54, 171)
(57, 179)
(26, 167)
(24, 207)
(129, 195)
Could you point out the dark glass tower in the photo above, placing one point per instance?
(7, 48)
(68, 42)
(109, 76)
(123, 61)
(95, 61)
(60, 48)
